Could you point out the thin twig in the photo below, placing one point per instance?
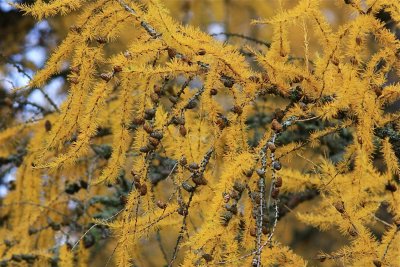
(94, 225)
(149, 29)
(249, 38)
(24, 73)
(80, 239)
(382, 221)
(389, 243)
(260, 215)
(183, 228)
(39, 107)
(203, 165)
(158, 236)
(35, 204)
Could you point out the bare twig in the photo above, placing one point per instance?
(94, 225)
(389, 243)
(158, 236)
(242, 36)
(24, 73)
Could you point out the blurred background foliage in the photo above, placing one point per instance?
(25, 44)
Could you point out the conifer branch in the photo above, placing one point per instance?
(390, 243)
(172, 98)
(149, 29)
(185, 206)
(183, 226)
(261, 208)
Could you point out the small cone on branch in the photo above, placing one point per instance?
(276, 126)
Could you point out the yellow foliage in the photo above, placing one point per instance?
(168, 133)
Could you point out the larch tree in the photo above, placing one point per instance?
(177, 145)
